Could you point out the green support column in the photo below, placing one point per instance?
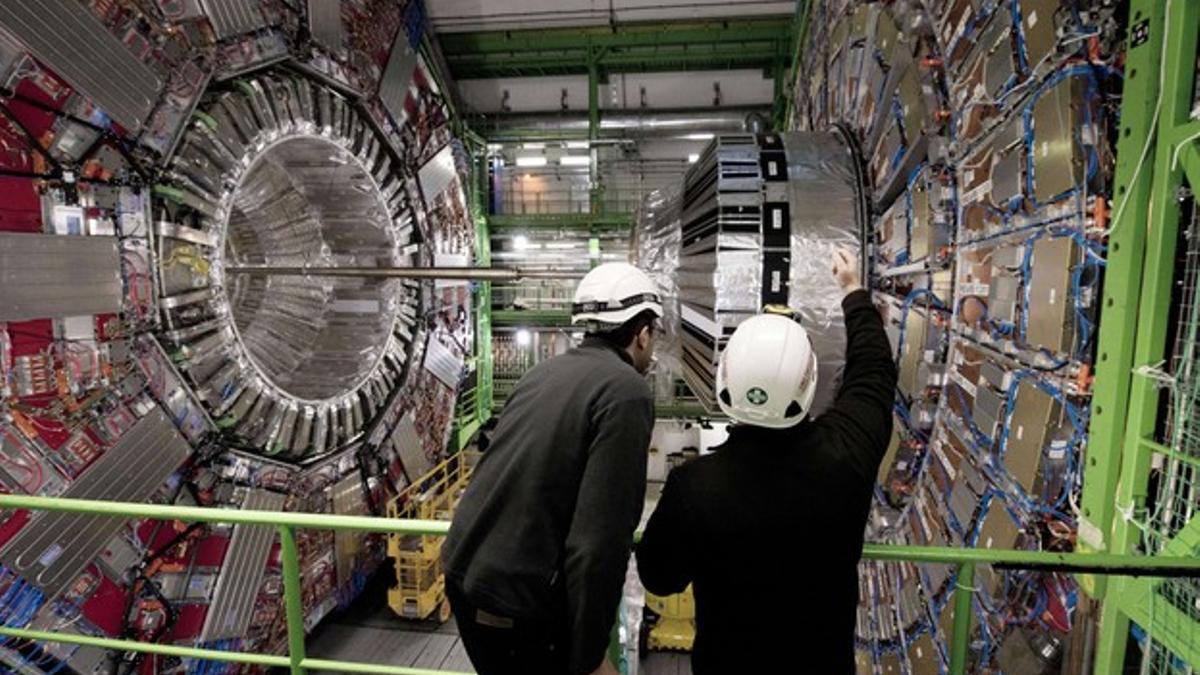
(483, 318)
(964, 593)
(1180, 18)
(291, 598)
(1123, 282)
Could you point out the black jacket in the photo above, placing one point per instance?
(545, 527)
(769, 528)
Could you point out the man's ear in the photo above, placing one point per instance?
(644, 336)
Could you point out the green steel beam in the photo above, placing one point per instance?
(377, 669)
(197, 514)
(293, 602)
(561, 221)
(960, 641)
(267, 660)
(1156, 614)
(804, 10)
(1180, 19)
(637, 47)
(1123, 282)
(531, 318)
(287, 523)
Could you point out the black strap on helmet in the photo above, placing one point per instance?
(610, 306)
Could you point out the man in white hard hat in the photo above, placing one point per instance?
(769, 528)
(538, 549)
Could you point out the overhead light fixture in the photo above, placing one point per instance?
(699, 137)
(693, 158)
(520, 242)
(524, 338)
(534, 146)
(531, 161)
(575, 160)
(561, 245)
(578, 145)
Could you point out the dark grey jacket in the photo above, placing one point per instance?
(544, 529)
(769, 528)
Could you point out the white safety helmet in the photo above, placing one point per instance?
(612, 294)
(767, 376)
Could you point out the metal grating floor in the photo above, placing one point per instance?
(368, 631)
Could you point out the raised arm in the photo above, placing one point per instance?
(861, 416)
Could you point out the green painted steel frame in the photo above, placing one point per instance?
(633, 47)
(1152, 224)
(287, 523)
(1123, 281)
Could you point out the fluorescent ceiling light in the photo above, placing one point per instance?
(579, 145)
(520, 242)
(693, 158)
(562, 245)
(699, 137)
(534, 146)
(523, 337)
(575, 160)
(536, 160)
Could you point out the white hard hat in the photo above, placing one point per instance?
(614, 293)
(768, 373)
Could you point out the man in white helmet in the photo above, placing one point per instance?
(769, 528)
(538, 549)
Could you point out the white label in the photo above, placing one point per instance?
(962, 382)
(443, 362)
(772, 168)
(978, 192)
(50, 555)
(1020, 432)
(776, 281)
(777, 219)
(1032, 20)
(989, 543)
(1044, 149)
(1053, 295)
(1091, 535)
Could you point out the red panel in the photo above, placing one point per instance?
(106, 606)
(189, 621)
(10, 527)
(146, 530)
(20, 208)
(210, 552)
(30, 337)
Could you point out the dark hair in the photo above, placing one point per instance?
(623, 335)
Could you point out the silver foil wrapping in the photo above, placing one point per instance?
(757, 223)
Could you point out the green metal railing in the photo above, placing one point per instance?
(298, 662)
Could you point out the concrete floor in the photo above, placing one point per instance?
(369, 632)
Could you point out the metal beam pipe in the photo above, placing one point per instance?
(614, 124)
(452, 273)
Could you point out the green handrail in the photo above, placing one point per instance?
(964, 558)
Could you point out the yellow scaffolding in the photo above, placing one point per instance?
(420, 588)
(669, 623)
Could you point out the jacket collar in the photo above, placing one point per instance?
(592, 342)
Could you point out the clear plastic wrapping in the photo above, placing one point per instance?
(656, 244)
